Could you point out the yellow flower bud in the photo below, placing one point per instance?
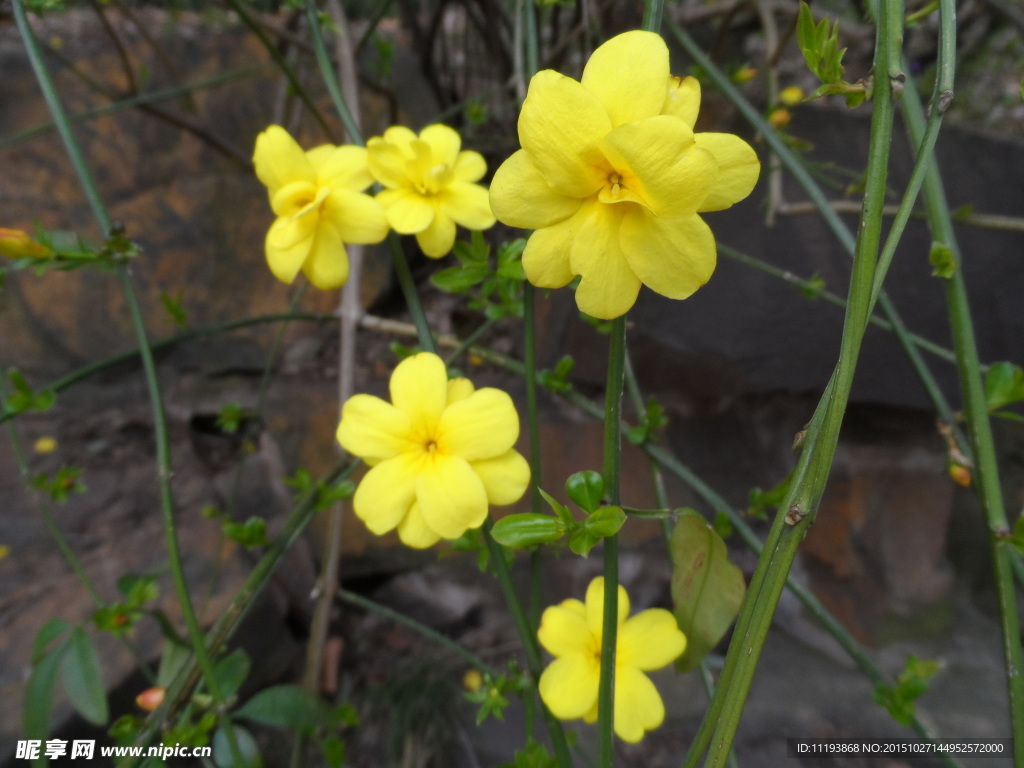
(4, 551)
(791, 96)
(15, 244)
(472, 681)
(780, 117)
(961, 475)
(45, 445)
(744, 75)
(151, 698)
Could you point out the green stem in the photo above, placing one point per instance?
(238, 7)
(412, 297)
(149, 366)
(610, 473)
(531, 646)
(323, 60)
(975, 405)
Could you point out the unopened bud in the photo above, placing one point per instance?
(780, 117)
(961, 475)
(472, 681)
(15, 244)
(744, 75)
(791, 96)
(151, 698)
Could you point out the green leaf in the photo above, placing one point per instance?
(39, 695)
(585, 489)
(333, 748)
(805, 36)
(83, 682)
(231, 671)
(527, 529)
(174, 309)
(460, 279)
(174, 656)
(942, 260)
(247, 746)
(1004, 384)
(707, 589)
(605, 522)
(581, 541)
(288, 706)
(559, 508)
(49, 632)
(910, 685)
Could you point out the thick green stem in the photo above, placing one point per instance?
(610, 473)
(975, 405)
(412, 297)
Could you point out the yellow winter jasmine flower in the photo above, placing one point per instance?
(45, 444)
(572, 632)
(612, 177)
(15, 244)
(439, 453)
(317, 197)
(429, 185)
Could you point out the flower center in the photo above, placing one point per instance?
(615, 182)
(431, 446)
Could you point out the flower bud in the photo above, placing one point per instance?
(780, 117)
(791, 96)
(15, 244)
(151, 698)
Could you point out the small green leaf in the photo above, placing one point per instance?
(1004, 384)
(910, 685)
(723, 524)
(527, 529)
(605, 522)
(174, 309)
(231, 671)
(460, 279)
(559, 508)
(585, 489)
(707, 589)
(83, 682)
(288, 706)
(942, 260)
(251, 533)
(581, 541)
(49, 632)
(333, 748)
(173, 658)
(224, 756)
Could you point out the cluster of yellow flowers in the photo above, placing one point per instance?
(612, 179)
(320, 202)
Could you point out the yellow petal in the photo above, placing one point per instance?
(683, 100)
(738, 169)
(469, 166)
(521, 198)
(288, 244)
(326, 267)
(595, 606)
(451, 495)
(386, 493)
(672, 256)
(437, 239)
(372, 428)
(505, 477)
(659, 162)
(357, 217)
(279, 160)
(407, 212)
(459, 389)
(414, 531)
(560, 125)
(482, 426)
(419, 389)
(467, 204)
(628, 74)
(546, 256)
(444, 142)
(609, 287)
(564, 631)
(297, 198)
(638, 706)
(569, 686)
(401, 137)
(345, 167)
(650, 640)
(386, 163)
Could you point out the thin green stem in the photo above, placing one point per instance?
(149, 366)
(531, 646)
(470, 340)
(610, 473)
(421, 629)
(238, 7)
(975, 405)
(412, 297)
(323, 60)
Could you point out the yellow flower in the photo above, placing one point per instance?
(572, 632)
(317, 197)
(15, 244)
(429, 185)
(611, 176)
(439, 453)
